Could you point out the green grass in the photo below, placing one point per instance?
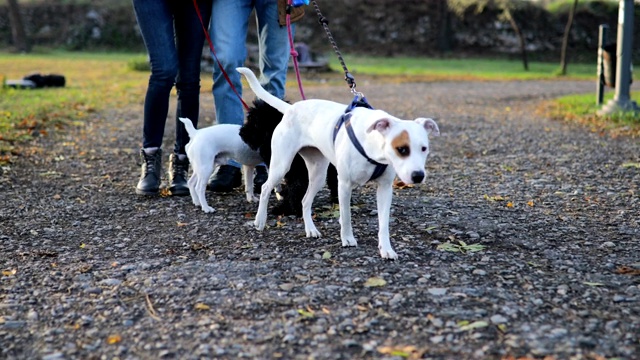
(98, 81)
(461, 69)
(596, 6)
(94, 82)
(582, 108)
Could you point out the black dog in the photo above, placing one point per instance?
(256, 132)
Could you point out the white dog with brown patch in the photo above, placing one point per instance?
(360, 143)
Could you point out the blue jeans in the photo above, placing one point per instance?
(174, 38)
(228, 31)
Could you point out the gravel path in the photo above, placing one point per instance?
(92, 271)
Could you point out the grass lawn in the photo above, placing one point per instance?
(582, 108)
(93, 82)
(462, 69)
(96, 81)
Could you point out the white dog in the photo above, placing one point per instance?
(212, 146)
(368, 142)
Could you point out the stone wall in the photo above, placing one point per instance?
(379, 27)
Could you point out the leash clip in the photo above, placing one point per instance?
(356, 93)
(352, 84)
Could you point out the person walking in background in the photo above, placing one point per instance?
(228, 29)
(174, 38)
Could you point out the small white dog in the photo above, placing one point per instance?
(212, 146)
(361, 145)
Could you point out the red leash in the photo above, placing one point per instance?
(294, 53)
(213, 52)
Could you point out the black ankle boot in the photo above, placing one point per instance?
(178, 170)
(260, 178)
(150, 178)
(225, 179)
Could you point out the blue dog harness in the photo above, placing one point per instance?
(346, 120)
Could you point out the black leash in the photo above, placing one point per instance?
(351, 81)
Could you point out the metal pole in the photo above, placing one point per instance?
(621, 100)
(603, 36)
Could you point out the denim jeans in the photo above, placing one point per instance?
(228, 31)
(174, 39)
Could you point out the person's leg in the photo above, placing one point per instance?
(189, 43)
(273, 41)
(228, 31)
(155, 20)
(190, 39)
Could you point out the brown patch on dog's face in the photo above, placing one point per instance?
(401, 144)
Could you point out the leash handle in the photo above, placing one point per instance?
(213, 52)
(351, 81)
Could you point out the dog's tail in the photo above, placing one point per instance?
(189, 126)
(261, 93)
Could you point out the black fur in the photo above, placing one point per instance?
(49, 80)
(257, 132)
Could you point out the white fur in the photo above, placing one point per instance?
(307, 128)
(213, 146)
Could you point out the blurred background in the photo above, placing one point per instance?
(434, 28)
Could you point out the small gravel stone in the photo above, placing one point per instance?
(437, 291)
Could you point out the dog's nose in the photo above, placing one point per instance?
(417, 176)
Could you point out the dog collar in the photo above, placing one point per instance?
(346, 120)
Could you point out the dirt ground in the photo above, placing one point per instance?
(92, 271)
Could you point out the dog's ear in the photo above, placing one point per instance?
(382, 125)
(429, 125)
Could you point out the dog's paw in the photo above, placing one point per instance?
(388, 254)
(313, 232)
(208, 209)
(259, 224)
(349, 241)
(252, 198)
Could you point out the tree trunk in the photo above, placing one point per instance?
(444, 27)
(516, 29)
(17, 28)
(565, 39)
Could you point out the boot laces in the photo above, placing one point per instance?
(150, 162)
(180, 168)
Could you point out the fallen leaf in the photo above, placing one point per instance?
(202, 307)
(509, 204)
(592, 283)
(631, 164)
(474, 325)
(180, 224)
(57, 196)
(530, 203)
(82, 246)
(627, 270)
(307, 314)
(114, 339)
(494, 198)
(407, 352)
(9, 272)
(375, 282)
(326, 255)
